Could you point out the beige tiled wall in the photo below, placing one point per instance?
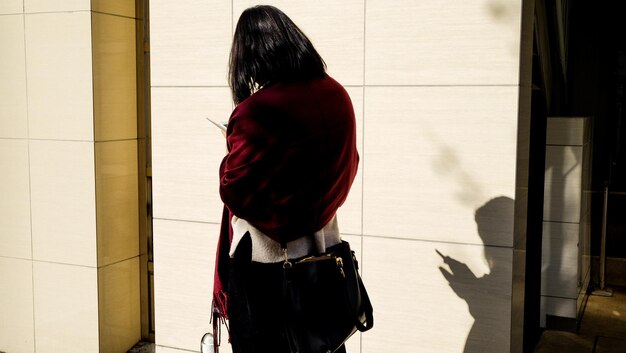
(435, 89)
(69, 265)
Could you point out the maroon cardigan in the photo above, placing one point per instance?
(291, 161)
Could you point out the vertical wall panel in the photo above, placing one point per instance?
(13, 121)
(15, 238)
(56, 6)
(66, 307)
(190, 43)
(187, 150)
(17, 333)
(116, 201)
(60, 92)
(425, 303)
(430, 162)
(114, 77)
(118, 306)
(115, 7)
(444, 42)
(11, 7)
(183, 289)
(63, 202)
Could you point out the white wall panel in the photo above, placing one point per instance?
(190, 42)
(184, 262)
(17, 330)
(66, 307)
(442, 42)
(11, 7)
(15, 236)
(563, 184)
(559, 272)
(418, 308)
(60, 91)
(187, 151)
(13, 109)
(63, 202)
(56, 6)
(336, 29)
(433, 155)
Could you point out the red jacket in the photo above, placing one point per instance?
(292, 157)
(291, 160)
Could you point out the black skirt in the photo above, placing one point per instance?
(255, 305)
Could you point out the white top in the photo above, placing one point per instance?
(267, 250)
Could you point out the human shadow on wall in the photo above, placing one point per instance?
(485, 295)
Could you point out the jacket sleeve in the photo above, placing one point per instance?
(245, 170)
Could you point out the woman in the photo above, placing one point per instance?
(291, 161)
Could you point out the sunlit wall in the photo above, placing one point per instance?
(69, 243)
(435, 86)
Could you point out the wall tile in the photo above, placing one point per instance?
(13, 121)
(114, 77)
(409, 284)
(350, 214)
(114, 7)
(55, 6)
(11, 7)
(184, 258)
(336, 28)
(430, 162)
(442, 43)
(187, 151)
(559, 269)
(190, 50)
(66, 307)
(58, 58)
(563, 184)
(15, 236)
(116, 201)
(63, 202)
(118, 302)
(16, 303)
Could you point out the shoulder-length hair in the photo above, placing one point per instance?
(269, 48)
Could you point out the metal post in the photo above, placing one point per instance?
(602, 290)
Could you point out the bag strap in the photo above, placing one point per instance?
(367, 308)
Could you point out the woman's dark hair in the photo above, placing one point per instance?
(269, 48)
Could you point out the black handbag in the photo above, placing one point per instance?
(326, 301)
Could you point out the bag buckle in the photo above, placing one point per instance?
(287, 263)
